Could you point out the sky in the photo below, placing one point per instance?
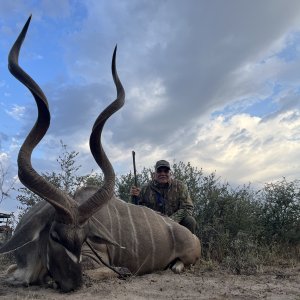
(214, 83)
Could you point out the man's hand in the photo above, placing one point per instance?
(135, 191)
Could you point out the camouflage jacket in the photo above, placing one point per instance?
(172, 199)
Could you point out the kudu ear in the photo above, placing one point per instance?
(97, 232)
(30, 229)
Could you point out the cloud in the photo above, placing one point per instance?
(177, 71)
(3, 138)
(53, 9)
(17, 112)
(200, 65)
(3, 157)
(56, 8)
(246, 144)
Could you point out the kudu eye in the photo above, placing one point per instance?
(55, 237)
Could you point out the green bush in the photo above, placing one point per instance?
(242, 226)
(280, 213)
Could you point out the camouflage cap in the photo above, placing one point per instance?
(162, 163)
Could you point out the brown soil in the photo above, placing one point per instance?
(269, 283)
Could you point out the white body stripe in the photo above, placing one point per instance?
(135, 245)
(152, 241)
(170, 227)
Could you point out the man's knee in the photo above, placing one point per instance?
(190, 223)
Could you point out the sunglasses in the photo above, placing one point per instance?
(163, 170)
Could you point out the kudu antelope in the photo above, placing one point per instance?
(51, 239)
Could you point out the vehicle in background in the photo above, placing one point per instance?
(5, 228)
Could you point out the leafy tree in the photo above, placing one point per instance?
(125, 182)
(280, 212)
(225, 214)
(94, 179)
(193, 178)
(6, 185)
(66, 180)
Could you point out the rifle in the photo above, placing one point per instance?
(134, 198)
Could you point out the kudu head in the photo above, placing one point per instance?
(69, 227)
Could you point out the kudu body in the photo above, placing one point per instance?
(51, 239)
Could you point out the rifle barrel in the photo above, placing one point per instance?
(134, 198)
(134, 168)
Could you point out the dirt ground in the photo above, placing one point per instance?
(197, 283)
